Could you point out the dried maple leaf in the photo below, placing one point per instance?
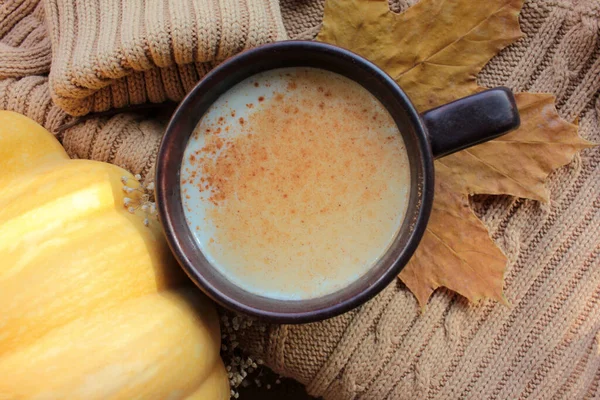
(435, 50)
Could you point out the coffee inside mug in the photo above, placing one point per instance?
(295, 182)
(260, 226)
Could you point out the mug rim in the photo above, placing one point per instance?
(166, 189)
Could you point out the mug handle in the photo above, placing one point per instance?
(471, 120)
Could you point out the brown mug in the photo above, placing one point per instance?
(433, 134)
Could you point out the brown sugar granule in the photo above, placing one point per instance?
(242, 121)
(261, 98)
(250, 105)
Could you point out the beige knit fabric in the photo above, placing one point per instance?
(113, 53)
(25, 47)
(547, 345)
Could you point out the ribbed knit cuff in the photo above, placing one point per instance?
(112, 53)
(25, 46)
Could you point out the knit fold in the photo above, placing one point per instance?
(103, 49)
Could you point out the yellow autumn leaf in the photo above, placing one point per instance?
(434, 50)
(519, 162)
(456, 252)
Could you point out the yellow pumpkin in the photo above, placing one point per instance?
(91, 301)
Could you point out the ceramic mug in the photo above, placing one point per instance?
(433, 134)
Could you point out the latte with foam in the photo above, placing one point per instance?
(295, 182)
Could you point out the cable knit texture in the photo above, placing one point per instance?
(546, 346)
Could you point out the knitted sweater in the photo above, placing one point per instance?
(545, 346)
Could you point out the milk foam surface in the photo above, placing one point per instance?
(295, 182)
